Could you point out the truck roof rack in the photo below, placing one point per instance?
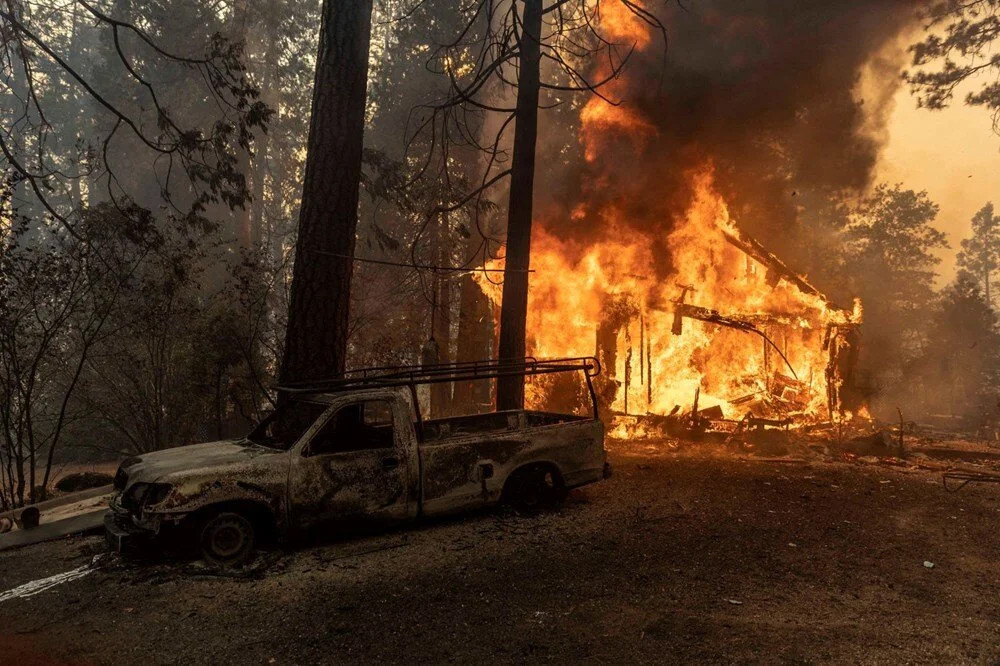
(402, 375)
(412, 376)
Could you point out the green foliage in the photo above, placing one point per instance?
(59, 295)
(980, 254)
(98, 106)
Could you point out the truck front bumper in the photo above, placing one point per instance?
(121, 533)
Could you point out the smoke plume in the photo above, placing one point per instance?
(764, 91)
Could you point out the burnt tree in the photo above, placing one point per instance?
(501, 48)
(514, 307)
(316, 339)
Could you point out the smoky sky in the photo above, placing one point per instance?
(763, 89)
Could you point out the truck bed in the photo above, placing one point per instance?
(466, 460)
(435, 430)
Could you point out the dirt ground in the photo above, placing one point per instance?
(682, 556)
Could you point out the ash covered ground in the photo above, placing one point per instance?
(687, 553)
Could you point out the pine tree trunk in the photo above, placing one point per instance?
(474, 336)
(316, 340)
(514, 309)
(262, 142)
(241, 216)
(79, 130)
(990, 263)
(441, 393)
(238, 20)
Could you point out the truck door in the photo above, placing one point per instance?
(356, 465)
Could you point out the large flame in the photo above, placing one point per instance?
(610, 298)
(574, 290)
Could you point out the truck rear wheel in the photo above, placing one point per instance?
(227, 539)
(534, 489)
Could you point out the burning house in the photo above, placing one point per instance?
(762, 342)
(635, 255)
(729, 333)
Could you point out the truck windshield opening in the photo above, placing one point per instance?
(287, 424)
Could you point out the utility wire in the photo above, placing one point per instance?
(424, 266)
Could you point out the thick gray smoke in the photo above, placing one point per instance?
(766, 90)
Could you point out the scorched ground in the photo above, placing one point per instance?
(686, 553)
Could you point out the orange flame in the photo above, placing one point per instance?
(614, 285)
(603, 122)
(620, 24)
(573, 288)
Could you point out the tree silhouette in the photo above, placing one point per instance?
(889, 253)
(195, 165)
(962, 364)
(980, 253)
(967, 49)
(318, 311)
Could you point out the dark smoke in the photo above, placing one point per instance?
(764, 89)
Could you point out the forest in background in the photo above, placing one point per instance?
(147, 258)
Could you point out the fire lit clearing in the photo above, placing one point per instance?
(730, 327)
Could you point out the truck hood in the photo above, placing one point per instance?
(154, 466)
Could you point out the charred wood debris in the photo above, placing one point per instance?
(785, 397)
(773, 424)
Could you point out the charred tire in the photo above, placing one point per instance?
(534, 489)
(227, 539)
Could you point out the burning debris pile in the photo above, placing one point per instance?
(731, 337)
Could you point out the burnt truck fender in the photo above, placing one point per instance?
(193, 498)
(469, 471)
(163, 489)
(574, 452)
(183, 509)
(575, 460)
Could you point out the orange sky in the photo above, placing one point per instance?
(953, 154)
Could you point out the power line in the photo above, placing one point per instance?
(423, 266)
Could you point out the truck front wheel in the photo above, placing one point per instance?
(534, 489)
(227, 539)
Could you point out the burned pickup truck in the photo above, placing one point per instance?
(355, 449)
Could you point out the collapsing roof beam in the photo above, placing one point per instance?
(738, 322)
(746, 322)
(711, 316)
(776, 268)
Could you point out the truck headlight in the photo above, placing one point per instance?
(142, 495)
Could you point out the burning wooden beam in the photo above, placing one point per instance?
(776, 268)
(747, 323)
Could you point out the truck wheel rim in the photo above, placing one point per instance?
(228, 539)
